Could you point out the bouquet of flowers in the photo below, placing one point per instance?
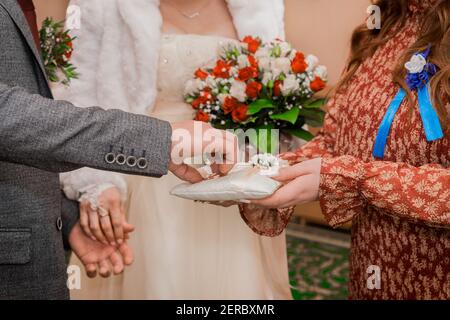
(261, 86)
(57, 48)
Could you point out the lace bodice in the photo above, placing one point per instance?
(180, 56)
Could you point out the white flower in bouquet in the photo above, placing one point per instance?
(321, 72)
(290, 85)
(281, 65)
(193, 86)
(312, 62)
(221, 97)
(265, 64)
(263, 52)
(243, 61)
(228, 47)
(267, 77)
(211, 82)
(285, 48)
(233, 72)
(237, 90)
(292, 54)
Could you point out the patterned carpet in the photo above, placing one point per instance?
(318, 263)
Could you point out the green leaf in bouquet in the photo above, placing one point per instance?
(249, 121)
(289, 116)
(300, 133)
(315, 104)
(313, 117)
(259, 105)
(265, 140)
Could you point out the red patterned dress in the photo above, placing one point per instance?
(400, 207)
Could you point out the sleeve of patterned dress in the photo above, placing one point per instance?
(272, 222)
(348, 185)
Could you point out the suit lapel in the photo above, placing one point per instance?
(16, 14)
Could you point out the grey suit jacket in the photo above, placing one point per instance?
(40, 137)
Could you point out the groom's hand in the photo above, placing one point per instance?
(98, 257)
(194, 138)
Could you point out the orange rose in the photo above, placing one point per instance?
(248, 73)
(277, 88)
(299, 64)
(68, 54)
(202, 75)
(229, 105)
(253, 89)
(222, 69)
(204, 97)
(253, 44)
(317, 84)
(202, 116)
(240, 113)
(253, 62)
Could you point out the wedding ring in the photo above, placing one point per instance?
(102, 212)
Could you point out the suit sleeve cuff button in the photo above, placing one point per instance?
(142, 163)
(110, 158)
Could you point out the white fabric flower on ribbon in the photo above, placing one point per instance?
(416, 64)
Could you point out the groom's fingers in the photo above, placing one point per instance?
(117, 263)
(104, 269)
(91, 270)
(231, 148)
(127, 254)
(186, 173)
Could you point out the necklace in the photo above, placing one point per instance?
(192, 15)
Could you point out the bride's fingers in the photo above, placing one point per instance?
(105, 223)
(117, 221)
(84, 220)
(94, 224)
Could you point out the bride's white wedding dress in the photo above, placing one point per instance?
(183, 249)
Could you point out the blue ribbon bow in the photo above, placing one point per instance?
(416, 81)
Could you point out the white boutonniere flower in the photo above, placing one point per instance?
(416, 64)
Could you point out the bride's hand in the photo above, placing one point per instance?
(105, 221)
(301, 185)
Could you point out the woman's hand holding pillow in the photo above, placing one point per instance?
(301, 185)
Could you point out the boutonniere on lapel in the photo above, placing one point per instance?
(56, 50)
(420, 71)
